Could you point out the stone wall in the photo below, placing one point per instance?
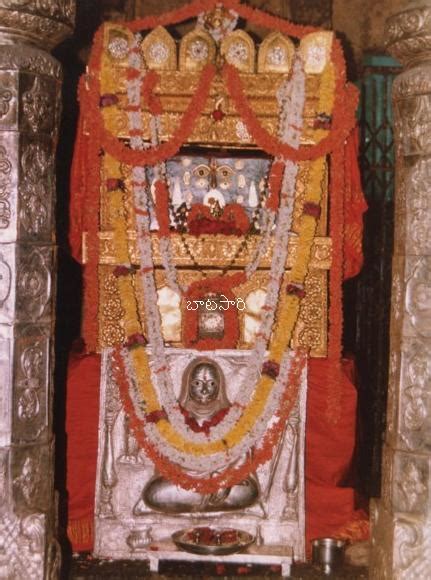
(363, 22)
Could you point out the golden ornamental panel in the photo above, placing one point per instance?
(111, 330)
(310, 332)
(238, 49)
(315, 49)
(176, 87)
(275, 54)
(212, 251)
(197, 48)
(159, 50)
(311, 328)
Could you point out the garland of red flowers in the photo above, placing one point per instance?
(162, 208)
(274, 184)
(343, 117)
(233, 220)
(197, 291)
(90, 100)
(205, 426)
(232, 475)
(151, 80)
(88, 150)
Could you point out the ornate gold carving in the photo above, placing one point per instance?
(111, 313)
(238, 49)
(214, 251)
(118, 44)
(310, 332)
(197, 48)
(177, 87)
(159, 50)
(275, 54)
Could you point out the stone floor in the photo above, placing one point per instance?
(86, 568)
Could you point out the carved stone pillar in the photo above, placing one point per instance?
(401, 530)
(30, 84)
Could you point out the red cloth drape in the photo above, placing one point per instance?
(354, 208)
(330, 507)
(82, 415)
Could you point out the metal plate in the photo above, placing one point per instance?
(185, 540)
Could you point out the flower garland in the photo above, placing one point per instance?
(153, 412)
(141, 362)
(87, 150)
(280, 252)
(173, 472)
(285, 321)
(343, 117)
(292, 97)
(90, 99)
(152, 317)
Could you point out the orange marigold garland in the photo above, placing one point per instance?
(343, 118)
(90, 99)
(343, 115)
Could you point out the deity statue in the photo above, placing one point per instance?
(203, 402)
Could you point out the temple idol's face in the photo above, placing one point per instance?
(204, 384)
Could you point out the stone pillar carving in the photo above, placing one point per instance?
(401, 519)
(30, 84)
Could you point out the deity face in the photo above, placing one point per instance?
(204, 383)
(203, 391)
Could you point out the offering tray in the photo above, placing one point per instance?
(214, 541)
